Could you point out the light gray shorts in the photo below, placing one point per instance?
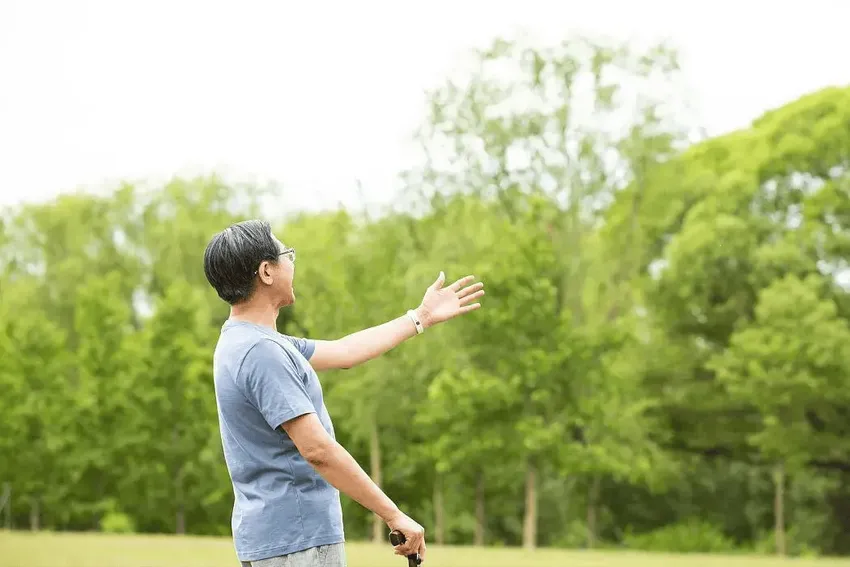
(322, 556)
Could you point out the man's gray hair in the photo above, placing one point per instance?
(234, 254)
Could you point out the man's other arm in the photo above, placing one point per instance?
(338, 467)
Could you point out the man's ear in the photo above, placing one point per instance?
(265, 273)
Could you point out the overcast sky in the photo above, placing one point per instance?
(316, 94)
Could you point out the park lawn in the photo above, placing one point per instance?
(23, 549)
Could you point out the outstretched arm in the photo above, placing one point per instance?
(438, 304)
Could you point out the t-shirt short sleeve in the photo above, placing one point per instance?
(273, 384)
(305, 346)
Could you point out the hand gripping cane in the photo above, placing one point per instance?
(397, 538)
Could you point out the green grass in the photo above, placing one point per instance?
(23, 549)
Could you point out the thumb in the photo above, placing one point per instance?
(441, 279)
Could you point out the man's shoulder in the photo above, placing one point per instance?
(234, 346)
(235, 341)
(245, 346)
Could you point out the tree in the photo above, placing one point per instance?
(792, 364)
(34, 378)
(174, 405)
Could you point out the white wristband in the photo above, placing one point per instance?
(413, 317)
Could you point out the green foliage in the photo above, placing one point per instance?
(117, 523)
(692, 536)
(663, 327)
(791, 364)
(796, 546)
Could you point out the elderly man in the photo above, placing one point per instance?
(285, 465)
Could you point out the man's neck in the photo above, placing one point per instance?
(264, 315)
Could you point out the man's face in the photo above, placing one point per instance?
(285, 273)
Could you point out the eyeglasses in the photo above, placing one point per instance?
(289, 253)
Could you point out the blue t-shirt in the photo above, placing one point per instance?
(282, 505)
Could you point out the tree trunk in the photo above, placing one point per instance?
(181, 519)
(180, 505)
(439, 515)
(592, 503)
(7, 504)
(99, 491)
(529, 531)
(779, 508)
(34, 515)
(375, 457)
(179, 500)
(839, 504)
(479, 510)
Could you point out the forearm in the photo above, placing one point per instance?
(338, 467)
(370, 343)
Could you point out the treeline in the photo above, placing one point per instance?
(662, 360)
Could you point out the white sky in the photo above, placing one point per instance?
(326, 93)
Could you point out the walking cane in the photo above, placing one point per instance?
(397, 538)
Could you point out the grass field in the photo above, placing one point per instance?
(22, 549)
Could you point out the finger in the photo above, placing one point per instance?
(461, 282)
(466, 299)
(422, 551)
(404, 549)
(471, 307)
(408, 546)
(414, 540)
(470, 289)
(438, 283)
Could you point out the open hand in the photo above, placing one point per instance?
(443, 303)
